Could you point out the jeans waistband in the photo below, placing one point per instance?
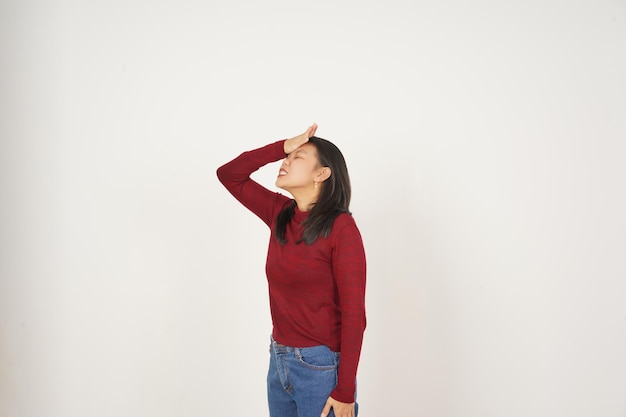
(280, 347)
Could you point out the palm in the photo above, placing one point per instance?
(297, 141)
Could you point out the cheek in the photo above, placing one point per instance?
(302, 170)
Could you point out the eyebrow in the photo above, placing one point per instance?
(300, 151)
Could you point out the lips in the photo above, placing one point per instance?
(282, 172)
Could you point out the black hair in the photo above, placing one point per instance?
(333, 200)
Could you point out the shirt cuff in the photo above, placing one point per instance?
(343, 394)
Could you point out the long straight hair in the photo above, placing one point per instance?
(333, 200)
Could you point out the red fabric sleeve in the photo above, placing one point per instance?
(235, 175)
(349, 270)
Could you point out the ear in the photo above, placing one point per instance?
(323, 174)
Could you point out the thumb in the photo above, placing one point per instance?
(326, 409)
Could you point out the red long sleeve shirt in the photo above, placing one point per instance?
(317, 291)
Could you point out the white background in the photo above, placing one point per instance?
(486, 145)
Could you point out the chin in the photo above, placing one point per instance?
(279, 184)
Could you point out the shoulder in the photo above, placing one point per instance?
(344, 220)
(346, 239)
(281, 202)
(345, 225)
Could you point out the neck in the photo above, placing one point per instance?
(305, 199)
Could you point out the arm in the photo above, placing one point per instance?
(349, 270)
(235, 176)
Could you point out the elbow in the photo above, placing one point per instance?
(221, 174)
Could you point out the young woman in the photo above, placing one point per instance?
(315, 271)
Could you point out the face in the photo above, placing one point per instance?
(300, 169)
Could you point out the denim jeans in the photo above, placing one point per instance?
(300, 380)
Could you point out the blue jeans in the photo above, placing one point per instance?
(300, 380)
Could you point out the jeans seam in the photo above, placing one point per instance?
(301, 361)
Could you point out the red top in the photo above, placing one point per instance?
(317, 291)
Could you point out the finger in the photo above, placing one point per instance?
(313, 129)
(326, 409)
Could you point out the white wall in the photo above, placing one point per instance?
(486, 146)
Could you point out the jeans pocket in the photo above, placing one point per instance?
(319, 358)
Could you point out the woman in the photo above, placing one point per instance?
(316, 274)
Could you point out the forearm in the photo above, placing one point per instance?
(239, 169)
(235, 176)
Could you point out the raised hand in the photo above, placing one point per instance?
(297, 141)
